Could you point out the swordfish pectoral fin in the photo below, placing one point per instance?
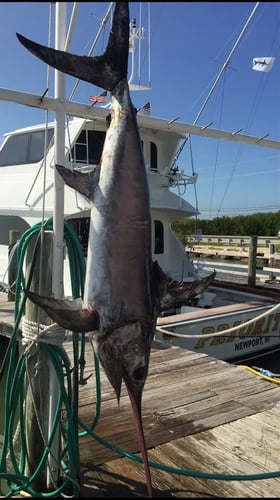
(177, 293)
(85, 183)
(104, 71)
(68, 314)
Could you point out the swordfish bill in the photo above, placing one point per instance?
(118, 304)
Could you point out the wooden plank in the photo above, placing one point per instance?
(200, 395)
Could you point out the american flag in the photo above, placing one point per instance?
(98, 98)
(147, 108)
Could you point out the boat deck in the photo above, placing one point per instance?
(200, 415)
(220, 310)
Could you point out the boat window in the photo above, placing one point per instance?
(88, 147)
(24, 148)
(154, 160)
(11, 223)
(159, 240)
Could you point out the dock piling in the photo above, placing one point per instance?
(252, 261)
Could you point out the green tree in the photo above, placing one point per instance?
(260, 224)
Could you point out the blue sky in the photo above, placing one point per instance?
(190, 41)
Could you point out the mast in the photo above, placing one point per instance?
(59, 141)
(58, 226)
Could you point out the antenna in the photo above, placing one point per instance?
(136, 34)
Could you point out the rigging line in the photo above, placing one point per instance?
(217, 145)
(195, 190)
(102, 25)
(71, 26)
(149, 43)
(254, 108)
(193, 173)
(225, 65)
(260, 209)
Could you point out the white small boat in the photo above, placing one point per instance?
(249, 317)
(238, 324)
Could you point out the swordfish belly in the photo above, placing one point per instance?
(118, 280)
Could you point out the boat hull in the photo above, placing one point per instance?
(251, 329)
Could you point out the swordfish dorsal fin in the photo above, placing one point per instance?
(104, 71)
(67, 313)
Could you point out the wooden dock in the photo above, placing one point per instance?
(201, 415)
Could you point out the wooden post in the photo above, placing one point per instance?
(38, 369)
(252, 261)
(271, 260)
(14, 236)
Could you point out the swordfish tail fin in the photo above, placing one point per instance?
(104, 71)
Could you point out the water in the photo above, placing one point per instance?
(270, 362)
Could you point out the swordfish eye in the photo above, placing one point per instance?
(140, 373)
(135, 376)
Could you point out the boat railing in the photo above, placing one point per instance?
(236, 271)
(179, 178)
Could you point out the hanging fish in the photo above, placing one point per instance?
(124, 290)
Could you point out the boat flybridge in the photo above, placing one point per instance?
(27, 190)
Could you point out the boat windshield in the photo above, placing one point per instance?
(88, 147)
(26, 147)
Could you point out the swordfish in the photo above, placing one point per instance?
(125, 291)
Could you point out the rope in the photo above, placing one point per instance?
(34, 332)
(222, 332)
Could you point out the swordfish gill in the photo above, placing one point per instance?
(125, 290)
